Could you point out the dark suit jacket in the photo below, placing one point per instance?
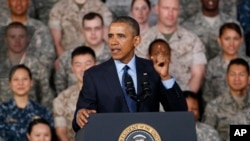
(102, 91)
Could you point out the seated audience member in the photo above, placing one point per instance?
(204, 132)
(40, 130)
(66, 25)
(16, 38)
(18, 112)
(191, 7)
(40, 43)
(140, 10)
(220, 111)
(38, 9)
(64, 105)
(243, 17)
(93, 31)
(206, 24)
(187, 50)
(230, 40)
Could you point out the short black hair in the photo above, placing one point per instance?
(129, 21)
(232, 26)
(35, 122)
(158, 41)
(239, 61)
(19, 66)
(91, 16)
(82, 50)
(40, 120)
(15, 25)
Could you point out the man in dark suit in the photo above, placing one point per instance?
(103, 89)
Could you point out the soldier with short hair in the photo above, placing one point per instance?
(82, 58)
(17, 40)
(92, 30)
(40, 43)
(220, 111)
(206, 24)
(65, 21)
(187, 51)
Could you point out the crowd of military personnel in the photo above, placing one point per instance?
(57, 40)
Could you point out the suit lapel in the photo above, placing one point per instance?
(112, 79)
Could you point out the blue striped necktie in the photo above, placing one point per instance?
(128, 89)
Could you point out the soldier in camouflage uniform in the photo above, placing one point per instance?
(206, 24)
(215, 83)
(38, 9)
(187, 51)
(92, 27)
(219, 112)
(18, 112)
(65, 22)
(64, 104)
(191, 7)
(242, 117)
(17, 54)
(41, 43)
(204, 132)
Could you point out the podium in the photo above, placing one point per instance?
(152, 126)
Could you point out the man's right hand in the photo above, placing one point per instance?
(82, 116)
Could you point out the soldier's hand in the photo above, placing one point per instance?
(82, 116)
(161, 65)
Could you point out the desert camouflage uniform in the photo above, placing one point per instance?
(186, 50)
(40, 45)
(206, 32)
(40, 91)
(215, 82)
(219, 112)
(64, 77)
(64, 106)
(67, 17)
(205, 132)
(14, 121)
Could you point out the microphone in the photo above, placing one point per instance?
(146, 90)
(130, 89)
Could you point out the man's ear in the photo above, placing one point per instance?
(137, 40)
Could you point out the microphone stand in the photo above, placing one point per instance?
(138, 98)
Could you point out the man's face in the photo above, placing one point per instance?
(80, 63)
(210, 5)
(168, 12)
(193, 106)
(160, 49)
(237, 77)
(16, 40)
(122, 41)
(18, 7)
(93, 31)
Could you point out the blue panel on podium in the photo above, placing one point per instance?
(157, 126)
